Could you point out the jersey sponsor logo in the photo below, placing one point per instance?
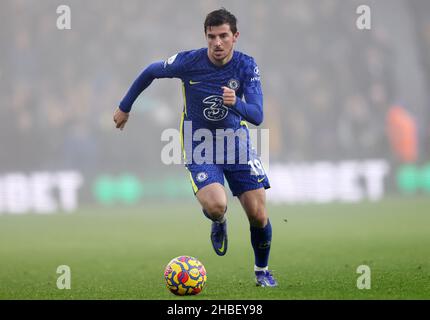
(201, 176)
(216, 109)
(260, 180)
(257, 73)
(233, 84)
(194, 82)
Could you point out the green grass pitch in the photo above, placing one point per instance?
(120, 253)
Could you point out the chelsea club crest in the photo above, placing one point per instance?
(233, 84)
(201, 176)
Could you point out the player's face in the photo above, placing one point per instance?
(220, 43)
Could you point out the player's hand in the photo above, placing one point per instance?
(229, 97)
(120, 118)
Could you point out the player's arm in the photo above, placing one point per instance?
(163, 69)
(120, 116)
(251, 110)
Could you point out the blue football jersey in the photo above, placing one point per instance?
(204, 108)
(230, 153)
(202, 86)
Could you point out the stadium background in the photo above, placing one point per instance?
(336, 99)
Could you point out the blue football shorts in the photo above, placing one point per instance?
(240, 177)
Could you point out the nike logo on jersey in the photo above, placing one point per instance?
(194, 82)
(259, 180)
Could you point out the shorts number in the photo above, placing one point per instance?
(257, 167)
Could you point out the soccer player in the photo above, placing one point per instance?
(222, 90)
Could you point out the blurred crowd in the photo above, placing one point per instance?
(328, 86)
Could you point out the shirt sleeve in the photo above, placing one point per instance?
(252, 80)
(252, 108)
(171, 68)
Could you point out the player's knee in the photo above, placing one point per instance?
(216, 209)
(258, 218)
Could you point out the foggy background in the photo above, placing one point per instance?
(329, 87)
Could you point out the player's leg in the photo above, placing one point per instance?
(248, 182)
(213, 200)
(254, 204)
(208, 186)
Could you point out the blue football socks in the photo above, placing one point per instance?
(261, 239)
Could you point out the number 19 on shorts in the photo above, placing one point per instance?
(256, 167)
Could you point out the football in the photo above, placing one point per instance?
(185, 276)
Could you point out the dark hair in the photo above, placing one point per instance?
(220, 17)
